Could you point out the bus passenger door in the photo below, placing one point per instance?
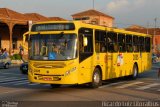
(111, 56)
(143, 58)
(85, 55)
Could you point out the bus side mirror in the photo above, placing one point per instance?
(85, 41)
(24, 40)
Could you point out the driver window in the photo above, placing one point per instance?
(87, 51)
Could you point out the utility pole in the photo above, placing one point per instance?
(93, 4)
(155, 20)
(147, 27)
(154, 44)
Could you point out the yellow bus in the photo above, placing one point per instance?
(72, 52)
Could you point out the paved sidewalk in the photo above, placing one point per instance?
(16, 63)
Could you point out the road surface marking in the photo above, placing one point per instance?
(2, 76)
(33, 84)
(14, 82)
(110, 84)
(129, 84)
(23, 82)
(148, 86)
(6, 79)
(11, 74)
(11, 78)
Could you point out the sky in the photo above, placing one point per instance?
(125, 12)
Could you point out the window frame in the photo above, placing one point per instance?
(129, 43)
(100, 41)
(122, 42)
(112, 38)
(87, 32)
(135, 43)
(147, 44)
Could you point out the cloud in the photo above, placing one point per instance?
(117, 4)
(124, 5)
(127, 12)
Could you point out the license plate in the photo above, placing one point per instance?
(47, 78)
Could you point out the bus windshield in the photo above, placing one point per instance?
(52, 46)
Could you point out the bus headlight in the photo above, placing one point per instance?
(69, 71)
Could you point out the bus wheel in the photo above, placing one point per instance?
(96, 79)
(55, 85)
(135, 72)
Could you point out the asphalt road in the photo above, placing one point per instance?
(15, 90)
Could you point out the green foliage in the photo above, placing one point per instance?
(16, 57)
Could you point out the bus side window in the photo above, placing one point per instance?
(147, 44)
(135, 44)
(129, 46)
(121, 42)
(142, 44)
(100, 41)
(115, 47)
(97, 47)
(112, 41)
(111, 47)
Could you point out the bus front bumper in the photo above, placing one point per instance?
(53, 79)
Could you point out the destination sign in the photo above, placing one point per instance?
(53, 27)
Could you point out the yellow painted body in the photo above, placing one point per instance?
(54, 72)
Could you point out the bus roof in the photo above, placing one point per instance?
(110, 29)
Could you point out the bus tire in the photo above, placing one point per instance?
(96, 79)
(135, 71)
(55, 85)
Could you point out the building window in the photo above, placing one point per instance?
(14, 43)
(83, 18)
(77, 18)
